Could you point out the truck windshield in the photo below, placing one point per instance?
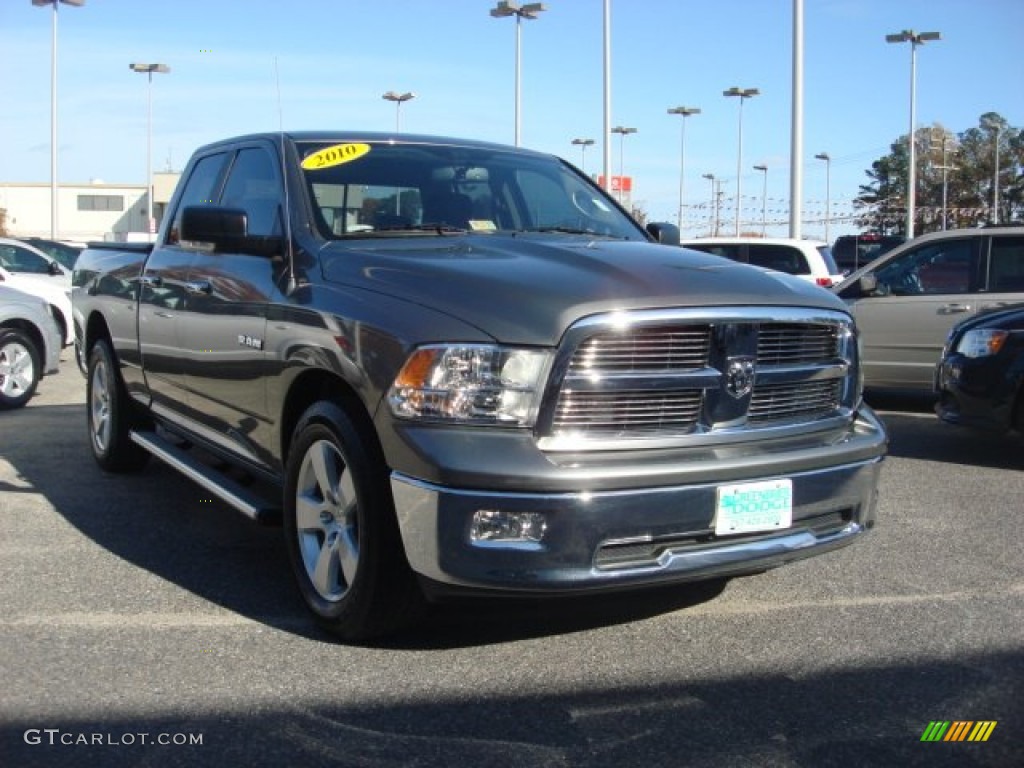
(371, 189)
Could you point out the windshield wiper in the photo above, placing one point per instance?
(440, 229)
(575, 231)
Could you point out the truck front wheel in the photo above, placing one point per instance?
(341, 532)
(109, 414)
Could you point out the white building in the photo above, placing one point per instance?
(94, 211)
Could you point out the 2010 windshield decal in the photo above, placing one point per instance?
(328, 157)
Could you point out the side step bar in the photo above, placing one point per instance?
(224, 488)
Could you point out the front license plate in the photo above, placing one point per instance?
(753, 507)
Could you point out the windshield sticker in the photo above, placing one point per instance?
(482, 225)
(332, 156)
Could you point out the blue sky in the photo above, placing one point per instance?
(335, 58)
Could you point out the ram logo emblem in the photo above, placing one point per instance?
(739, 376)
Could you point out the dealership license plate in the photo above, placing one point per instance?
(754, 507)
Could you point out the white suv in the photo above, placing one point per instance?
(807, 259)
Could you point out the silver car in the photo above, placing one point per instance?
(906, 301)
(29, 345)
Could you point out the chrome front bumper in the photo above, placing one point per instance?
(619, 538)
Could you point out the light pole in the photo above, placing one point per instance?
(995, 181)
(764, 198)
(683, 112)
(713, 219)
(583, 144)
(149, 69)
(623, 131)
(945, 168)
(53, 109)
(526, 11)
(828, 190)
(743, 94)
(915, 39)
(399, 99)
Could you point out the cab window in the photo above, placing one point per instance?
(252, 186)
(198, 190)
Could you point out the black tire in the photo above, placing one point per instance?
(110, 414)
(21, 368)
(341, 531)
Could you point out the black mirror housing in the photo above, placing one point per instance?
(226, 229)
(663, 232)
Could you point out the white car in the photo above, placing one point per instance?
(31, 270)
(810, 260)
(29, 345)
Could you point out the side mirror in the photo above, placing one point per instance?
(55, 269)
(663, 232)
(226, 229)
(867, 283)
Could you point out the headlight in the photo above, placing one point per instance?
(981, 342)
(471, 383)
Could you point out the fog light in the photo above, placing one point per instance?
(499, 526)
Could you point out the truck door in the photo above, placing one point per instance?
(163, 298)
(224, 325)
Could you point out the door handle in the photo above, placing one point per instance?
(954, 309)
(199, 286)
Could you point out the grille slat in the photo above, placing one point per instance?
(648, 349)
(675, 412)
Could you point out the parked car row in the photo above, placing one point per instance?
(911, 298)
(33, 271)
(810, 260)
(30, 345)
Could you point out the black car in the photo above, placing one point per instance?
(980, 378)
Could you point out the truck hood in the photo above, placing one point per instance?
(528, 289)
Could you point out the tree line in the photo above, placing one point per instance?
(970, 179)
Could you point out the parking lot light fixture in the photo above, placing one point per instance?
(683, 112)
(398, 99)
(828, 190)
(520, 11)
(54, 224)
(149, 69)
(623, 132)
(764, 199)
(583, 144)
(715, 194)
(915, 39)
(743, 94)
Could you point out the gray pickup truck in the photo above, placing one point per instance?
(452, 367)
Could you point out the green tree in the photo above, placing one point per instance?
(958, 169)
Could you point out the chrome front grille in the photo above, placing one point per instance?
(690, 373)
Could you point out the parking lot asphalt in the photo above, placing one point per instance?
(145, 624)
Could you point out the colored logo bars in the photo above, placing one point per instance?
(958, 730)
